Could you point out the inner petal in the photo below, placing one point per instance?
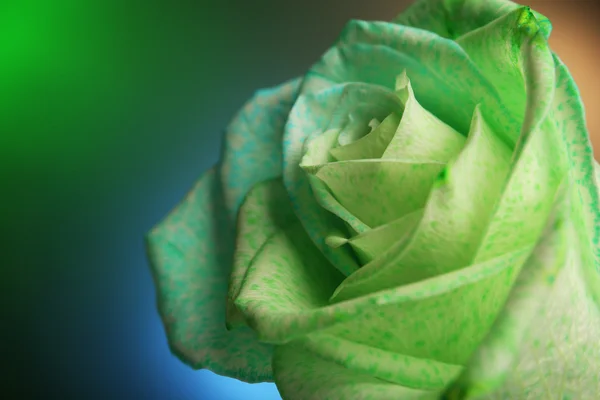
(456, 216)
(380, 191)
(421, 135)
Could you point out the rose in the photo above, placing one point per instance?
(417, 217)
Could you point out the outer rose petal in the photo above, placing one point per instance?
(544, 344)
(191, 250)
(190, 254)
(252, 146)
(300, 375)
(265, 211)
(446, 82)
(453, 18)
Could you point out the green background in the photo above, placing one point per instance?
(109, 110)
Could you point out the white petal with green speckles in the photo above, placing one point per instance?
(265, 211)
(413, 372)
(568, 115)
(538, 163)
(421, 135)
(379, 191)
(369, 245)
(503, 65)
(301, 375)
(190, 254)
(544, 343)
(371, 145)
(316, 150)
(252, 147)
(453, 18)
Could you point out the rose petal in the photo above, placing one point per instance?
(569, 115)
(421, 135)
(379, 191)
(453, 18)
(414, 372)
(539, 162)
(252, 145)
(371, 145)
(300, 375)
(544, 343)
(265, 211)
(495, 356)
(190, 254)
(374, 242)
(316, 151)
(502, 64)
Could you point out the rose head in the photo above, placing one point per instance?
(415, 218)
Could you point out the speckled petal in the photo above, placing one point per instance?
(190, 255)
(544, 343)
(414, 372)
(317, 150)
(446, 82)
(421, 136)
(371, 145)
(457, 213)
(301, 375)
(252, 144)
(502, 64)
(369, 245)
(265, 210)
(569, 116)
(288, 276)
(349, 108)
(382, 190)
(453, 18)
(285, 296)
(539, 163)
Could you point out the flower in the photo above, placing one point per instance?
(415, 218)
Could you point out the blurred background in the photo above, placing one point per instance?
(109, 111)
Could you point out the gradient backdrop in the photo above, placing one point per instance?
(109, 110)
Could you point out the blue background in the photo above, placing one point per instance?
(111, 110)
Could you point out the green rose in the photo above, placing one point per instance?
(416, 218)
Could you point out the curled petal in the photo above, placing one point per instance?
(190, 254)
(457, 212)
(544, 343)
(301, 375)
(371, 145)
(265, 211)
(538, 164)
(370, 244)
(379, 191)
(421, 135)
(252, 146)
(454, 18)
